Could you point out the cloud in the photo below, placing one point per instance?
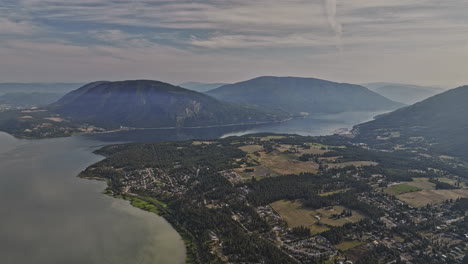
(233, 38)
(18, 27)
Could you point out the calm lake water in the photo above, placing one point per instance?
(48, 215)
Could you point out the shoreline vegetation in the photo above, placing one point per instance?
(152, 205)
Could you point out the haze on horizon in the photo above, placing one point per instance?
(406, 41)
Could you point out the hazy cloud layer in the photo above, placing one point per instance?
(419, 41)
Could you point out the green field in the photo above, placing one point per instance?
(401, 188)
(348, 244)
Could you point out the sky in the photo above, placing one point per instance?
(357, 41)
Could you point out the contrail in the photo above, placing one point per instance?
(330, 7)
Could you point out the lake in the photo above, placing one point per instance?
(48, 215)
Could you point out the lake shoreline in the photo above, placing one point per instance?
(151, 205)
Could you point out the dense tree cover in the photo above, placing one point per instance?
(301, 231)
(380, 254)
(171, 156)
(461, 205)
(442, 185)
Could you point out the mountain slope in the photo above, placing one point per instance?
(442, 120)
(296, 95)
(200, 87)
(145, 104)
(404, 93)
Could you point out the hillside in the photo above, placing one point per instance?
(403, 93)
(201, 87)
(303, 95)
(441, 120)
(144, 104)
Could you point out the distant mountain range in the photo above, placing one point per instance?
(441, 120)
(23, 99)
(201, 87)
(404, 93)
(61, 88)
(150, 104)
(303, 95)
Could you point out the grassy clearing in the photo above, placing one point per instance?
(326, 215)
(318, 228)
(286, 163)
(352, 163)
(251, 148)
(258, 172)
(349, 244)
(295, 214)
(422, 183)
(333, 192)
(198, 143)
(422, 198)
(268, 138)
(401, 188)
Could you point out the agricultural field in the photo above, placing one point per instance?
(422, 198)
(348, 244)
(198, 143)
(295, 214)
(258, 172)
(422, 183)
(333, 192)
(251, 148)
(418, 184)
(352, 163)
(401, 188)
(275, 163)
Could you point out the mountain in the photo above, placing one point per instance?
(62, 88)
(442, 121)
(303, 95)
(404, 93)
(23, 99)
(148, 104)
(201, 87)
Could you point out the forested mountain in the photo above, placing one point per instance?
(144, 103)
(403, 93)
(303, 95)
(201, 87)
(442, 120)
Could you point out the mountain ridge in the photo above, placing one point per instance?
(303, 95)
(441, 120)
(405, 93)
(147, 103)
